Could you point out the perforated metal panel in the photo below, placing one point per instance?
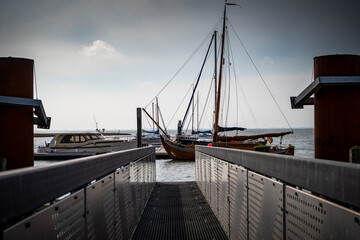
(223, 194)
(100, 209)
(238, 202)
(213, 197)
(265, 203)
(310, 217)
(208, 179)
(135, 190)
(124, 220)
(203, 172)
(63, 220)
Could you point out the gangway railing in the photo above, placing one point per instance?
(97, 197)
(266, 196)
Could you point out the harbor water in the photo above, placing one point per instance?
(169, 170)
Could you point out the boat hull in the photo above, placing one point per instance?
(178, 151)
(91, 148)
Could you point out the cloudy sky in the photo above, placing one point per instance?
(106, 58)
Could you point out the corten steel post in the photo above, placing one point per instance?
(337, 108)
(16, 123)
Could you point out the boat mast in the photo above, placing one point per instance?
(152, 119)
(215, 75)
(216, 124)
(192, 115)
(157, 113)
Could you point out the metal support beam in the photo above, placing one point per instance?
(42, 120)
(304, 97)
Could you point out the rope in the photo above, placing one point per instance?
(261, 77)
(186, 62)
(36, 90)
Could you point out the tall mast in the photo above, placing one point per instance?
(192, 114)
(215, 76)
(157, 113)
(216, 127)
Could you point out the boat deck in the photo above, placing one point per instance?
(178, 211)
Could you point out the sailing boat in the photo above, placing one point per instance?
(180, 150)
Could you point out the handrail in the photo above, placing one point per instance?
(24, 190)
(339, 181)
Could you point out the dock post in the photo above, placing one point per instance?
(355, 154)
(336, 90)
(337, 108)
(2, 164)
(139, 127)
(16, 123)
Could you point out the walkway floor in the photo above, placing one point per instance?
(178, 211)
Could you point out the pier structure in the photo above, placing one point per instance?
(237, 195)
(17, 110)
(336, 90)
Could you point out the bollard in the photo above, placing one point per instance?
(355, 154)
(139, 127)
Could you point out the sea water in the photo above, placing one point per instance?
(181, 171)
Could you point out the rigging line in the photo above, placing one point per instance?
(179, 106)
(312, 74)
(261, 77)
(36, 90)
(197, 81)
(148, 122)
(237, 83)
(207, 99)
(236, 89)
(187, 61)
(229, 78)
(162, 120)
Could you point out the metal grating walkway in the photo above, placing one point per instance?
(178, 211)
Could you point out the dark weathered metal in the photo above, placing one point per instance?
(139, 127)
(336, 180)
(178, 211)
(42, 120)
(304, 97)
(16, 128)
(336, 90)
(337, 108)
(29, 188)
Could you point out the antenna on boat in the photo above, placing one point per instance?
(97, 127)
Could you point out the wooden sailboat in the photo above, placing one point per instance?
(186, 151)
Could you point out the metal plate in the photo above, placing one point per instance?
(238, 202)
(63, 220)
(124, 222)
(265, 202)
(202, 175)
(208, 179)
(223, 193)
(100, 209)
(310, 217)
(214, 191)
(135, 189)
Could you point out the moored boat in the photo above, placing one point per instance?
(85, 143)
(182, 148)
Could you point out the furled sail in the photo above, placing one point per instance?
(227, 129)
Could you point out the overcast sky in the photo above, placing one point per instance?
(106, 58)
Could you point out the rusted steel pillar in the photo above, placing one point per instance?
(16, 123)
(337, 108)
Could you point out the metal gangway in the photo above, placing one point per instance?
(237, 195)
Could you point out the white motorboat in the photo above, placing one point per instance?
(92, 143)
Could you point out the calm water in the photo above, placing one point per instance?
(180, 171)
